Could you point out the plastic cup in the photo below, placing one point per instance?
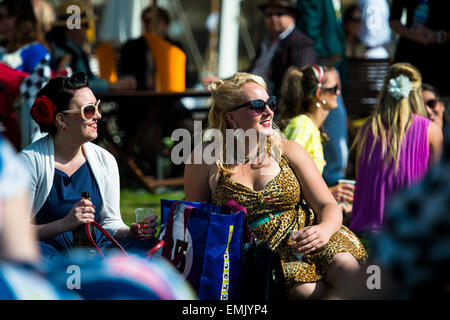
(142, 213)
(348, 181)
(292, 235)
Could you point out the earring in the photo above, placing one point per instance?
(64, 128)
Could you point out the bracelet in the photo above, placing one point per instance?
(444, 36)
(441, 36)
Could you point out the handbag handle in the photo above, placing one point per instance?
(155, 248)
(106, 233)
(234, 207)
(149, 253)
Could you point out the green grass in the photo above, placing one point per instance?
(140, 198)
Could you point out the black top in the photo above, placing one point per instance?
(431, 60)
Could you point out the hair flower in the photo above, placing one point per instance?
(399, 87)
(42, 110)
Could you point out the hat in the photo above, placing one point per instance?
(281, 4)
(63, 14)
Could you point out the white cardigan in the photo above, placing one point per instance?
(39, 157)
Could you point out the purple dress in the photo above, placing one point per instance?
(376, 183)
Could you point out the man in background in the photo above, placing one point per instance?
(285, 45)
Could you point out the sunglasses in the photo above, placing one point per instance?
(276, 13)
(259, 106)
(332, 90)
(431, 103)
(88, 111)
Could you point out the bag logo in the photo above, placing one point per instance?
(182, 248)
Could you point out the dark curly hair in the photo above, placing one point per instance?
(60, 91)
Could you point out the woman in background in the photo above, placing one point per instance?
(307, 97)
(435, 106)
(24, 48)
(395, 147)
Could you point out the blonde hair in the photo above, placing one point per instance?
(227, 94)
(392, 118)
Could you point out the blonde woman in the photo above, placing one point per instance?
(395, 147)
(271, 181)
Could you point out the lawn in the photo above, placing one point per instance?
(141, 198)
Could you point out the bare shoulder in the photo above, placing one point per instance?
(299, 159)
(195, 163)
(293, 151)
(435, 132)
(435, 139)
(200, 176)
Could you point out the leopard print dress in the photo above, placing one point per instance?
(283, 194)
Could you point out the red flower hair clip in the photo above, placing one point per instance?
(42, 110)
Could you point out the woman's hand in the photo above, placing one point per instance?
(311, 238)
(146, 230)
(343, 192)
(82, 212)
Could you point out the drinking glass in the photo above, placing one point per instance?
(142, 213)
(292, 235)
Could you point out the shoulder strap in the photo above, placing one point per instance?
(110, 238)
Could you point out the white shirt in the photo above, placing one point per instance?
(14, 177)
(375, 29)
(40, 161)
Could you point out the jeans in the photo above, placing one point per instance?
(336, 149)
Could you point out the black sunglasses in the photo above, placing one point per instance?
(431, 103)
(278, 13)
(332, 90)
(259, 106)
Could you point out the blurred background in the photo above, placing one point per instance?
(195, 24)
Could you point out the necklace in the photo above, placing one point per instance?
(248, 159)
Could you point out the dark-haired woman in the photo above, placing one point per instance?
(65, 163)
(435, 106)
(22, 49)
(307, 97)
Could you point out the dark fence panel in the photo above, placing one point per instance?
(365, 78)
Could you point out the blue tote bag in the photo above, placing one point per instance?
(203, 241)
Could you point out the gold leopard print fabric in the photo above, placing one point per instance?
(283, 194)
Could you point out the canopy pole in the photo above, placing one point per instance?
(229, 38)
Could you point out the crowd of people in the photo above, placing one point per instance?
(291, 177)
